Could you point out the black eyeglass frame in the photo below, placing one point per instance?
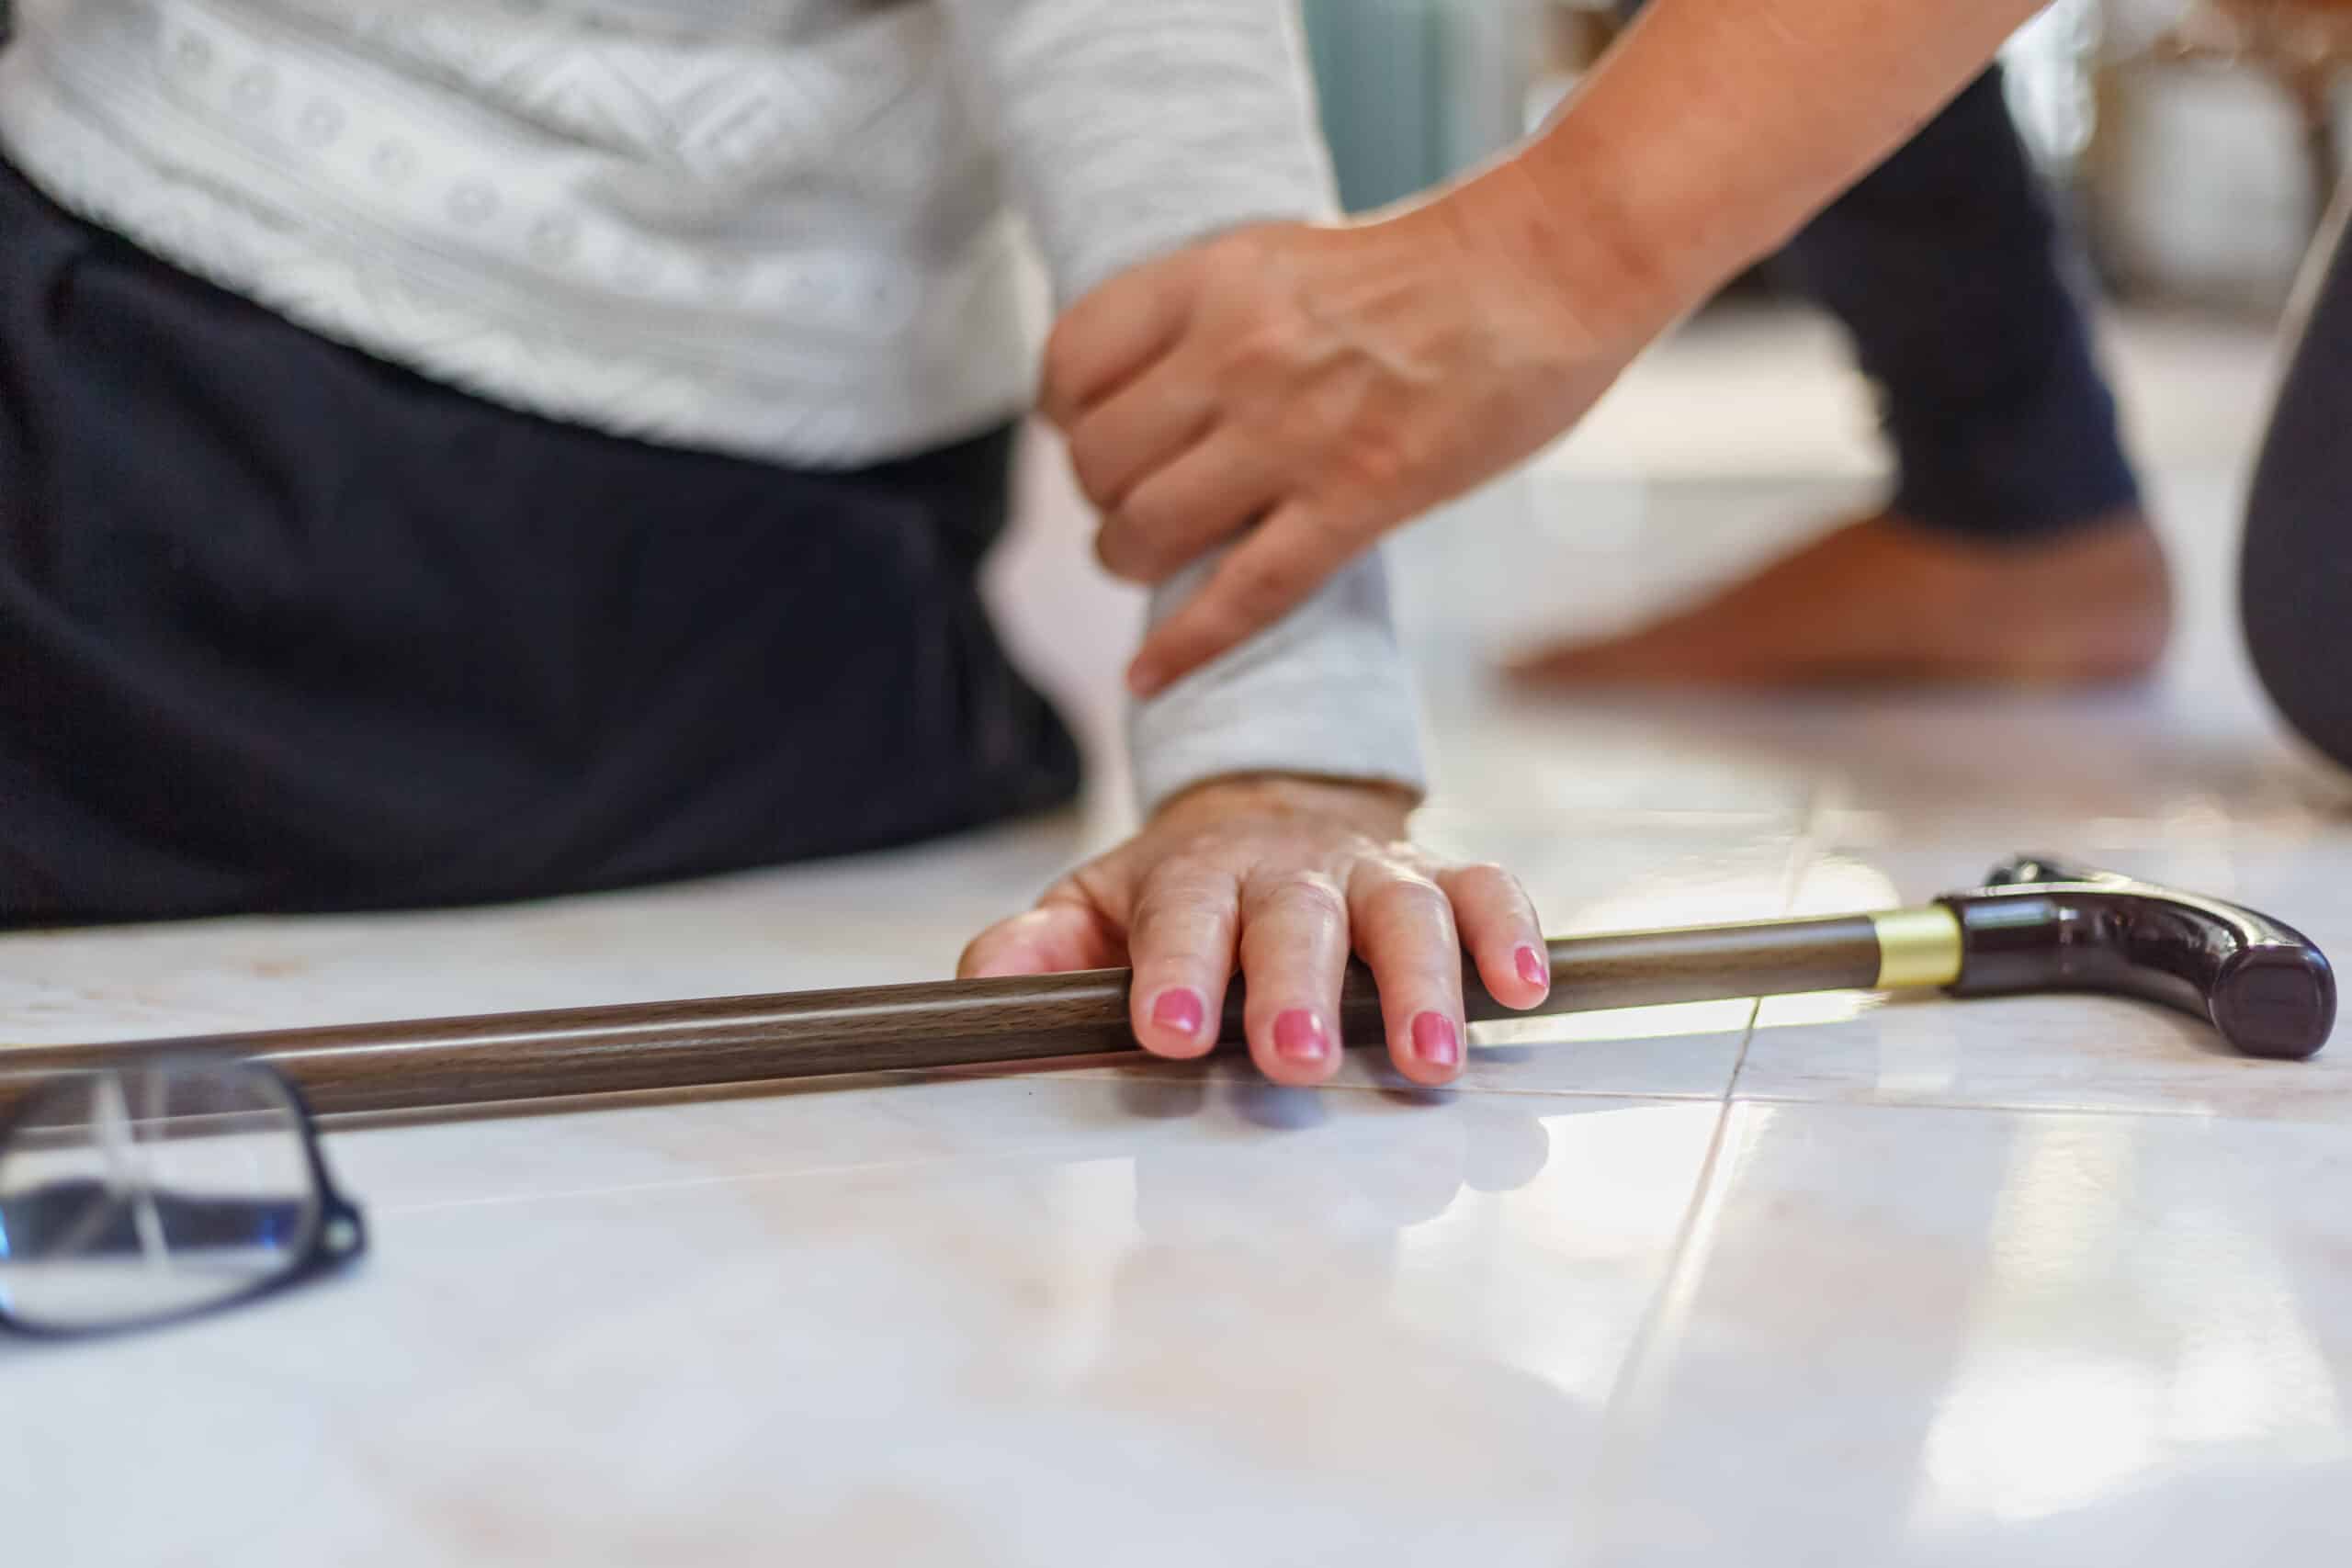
(338, 1236)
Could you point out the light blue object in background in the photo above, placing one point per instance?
(1414, 90)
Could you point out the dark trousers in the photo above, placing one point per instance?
(1947, 267)
(1945, 264)
(282, 627)
(2295, 577)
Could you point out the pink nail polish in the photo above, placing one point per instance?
(1180, 1007)
(1531, 967)
(1298, 1034)
(1436, 1039)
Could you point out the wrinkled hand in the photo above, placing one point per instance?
(1323, 384)
(1288, 875)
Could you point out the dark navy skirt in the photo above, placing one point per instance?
(284, 627)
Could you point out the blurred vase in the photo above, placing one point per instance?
(2221, 136)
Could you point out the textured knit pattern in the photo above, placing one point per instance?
(789, 230)
(777, 228)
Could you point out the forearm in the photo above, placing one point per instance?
(1129, 130)
(1716, 128)
(1132, 128)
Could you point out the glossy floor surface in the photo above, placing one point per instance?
(1829, 1279)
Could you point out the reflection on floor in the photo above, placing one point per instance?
(1830, 1279)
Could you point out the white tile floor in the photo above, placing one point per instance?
(2043, 1280)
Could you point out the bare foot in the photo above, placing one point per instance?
(1884, 600)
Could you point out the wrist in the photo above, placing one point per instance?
(1632, 264)
(1656, 183)
(1573, 267)
(1377, 809)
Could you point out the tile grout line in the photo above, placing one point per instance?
(1801, 854)
(1669, 1303)
(1998, 1108)
(1693, 1235)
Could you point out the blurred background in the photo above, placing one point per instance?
(2188, 145)
(2195, 138)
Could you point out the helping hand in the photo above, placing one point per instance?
(1290, 875)
(1323, 384)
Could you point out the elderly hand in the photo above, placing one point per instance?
(1316, 387)
(1288, 875)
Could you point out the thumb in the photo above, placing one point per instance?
(1047, 940)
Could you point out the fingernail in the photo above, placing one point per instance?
(1180, 1007)
(1298, 1034)
(1532, 969)
(1436, 1039)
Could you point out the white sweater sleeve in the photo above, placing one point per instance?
(1129, 129)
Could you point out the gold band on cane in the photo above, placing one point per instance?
(1917, 947)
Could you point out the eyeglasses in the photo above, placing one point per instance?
(159, 1189)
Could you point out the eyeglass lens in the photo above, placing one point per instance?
(145, 1192)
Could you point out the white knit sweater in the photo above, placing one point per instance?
(786, 229)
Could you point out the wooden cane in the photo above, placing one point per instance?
(2038, 926)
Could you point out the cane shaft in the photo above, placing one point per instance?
(640, 1047)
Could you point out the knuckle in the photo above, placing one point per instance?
(1264, 345)
(1238, 255)
(1380, 455)
(1174, 901)
(1309, 894)
(1270, 344)
(1490, 880)
(1408, 902)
